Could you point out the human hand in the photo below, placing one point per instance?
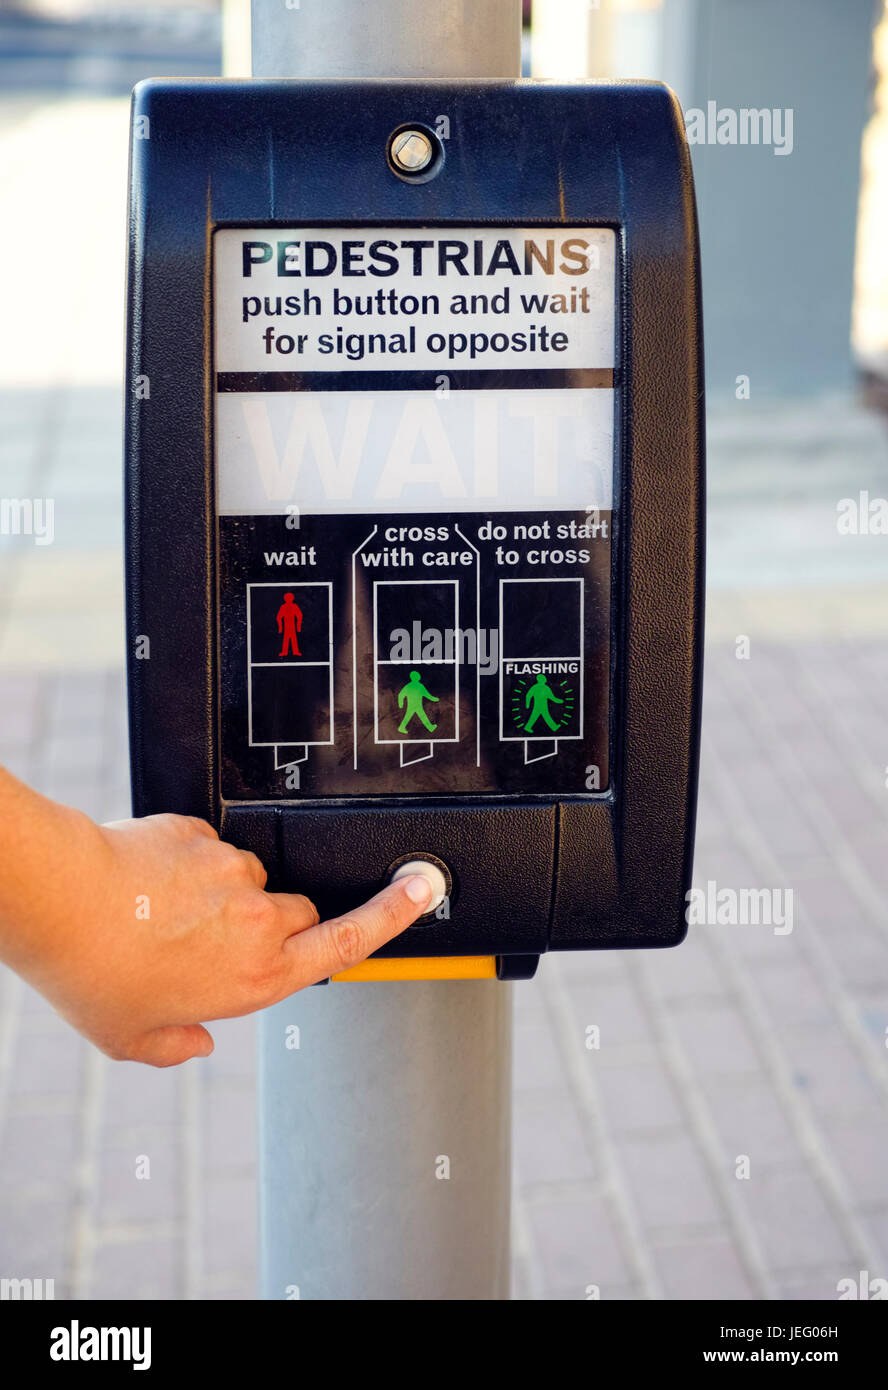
(164, 927)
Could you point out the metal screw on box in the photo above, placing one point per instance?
(412, 151)
(389, 1079)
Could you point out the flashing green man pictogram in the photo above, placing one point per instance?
(410, 699)
(537, 700)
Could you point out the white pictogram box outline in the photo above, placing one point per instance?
(287, 587)
(433, 661)
(548, 737)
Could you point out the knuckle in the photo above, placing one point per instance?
(255, 911)
(186, 827)
(307, 906)
(166, 820)
(240, 865)
(254, 863)
(202, 827)
(229, 860)
(348, 940)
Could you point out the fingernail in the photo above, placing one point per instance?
(418, 889)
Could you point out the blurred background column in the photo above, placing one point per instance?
(236, 36)
(870, 330)
(778, 217)
(571, 40)
(779, 228)
(607, 39)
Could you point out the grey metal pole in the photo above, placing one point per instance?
(385, 1109)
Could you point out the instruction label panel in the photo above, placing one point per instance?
(415, 468)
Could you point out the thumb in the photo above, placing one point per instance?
(167, 1047)
(329, 947)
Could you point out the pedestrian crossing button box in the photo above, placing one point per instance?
(414, 489)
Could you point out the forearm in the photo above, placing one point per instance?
(48, 851)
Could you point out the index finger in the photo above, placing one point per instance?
(329, 947)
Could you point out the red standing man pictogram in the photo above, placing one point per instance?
(289, 621)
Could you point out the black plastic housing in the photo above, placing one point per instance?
(531, 875)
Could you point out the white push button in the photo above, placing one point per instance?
(430, 871)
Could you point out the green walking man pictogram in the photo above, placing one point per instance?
(411, 699)
(539, 696)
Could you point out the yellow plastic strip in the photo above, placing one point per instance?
(422, 968)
